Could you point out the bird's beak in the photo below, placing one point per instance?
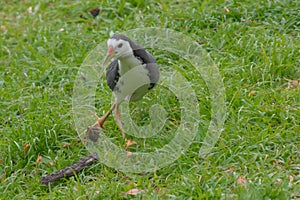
(110, 54)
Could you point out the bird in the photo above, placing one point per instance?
(130, 76)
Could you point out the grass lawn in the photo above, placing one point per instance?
(255, 45)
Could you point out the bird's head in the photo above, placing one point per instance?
(118, 47)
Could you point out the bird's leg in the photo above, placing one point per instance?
(101, 120)
(118, 118)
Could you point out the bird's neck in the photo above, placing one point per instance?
(127, 63)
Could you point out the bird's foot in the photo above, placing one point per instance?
(129, 143)
(100, 121)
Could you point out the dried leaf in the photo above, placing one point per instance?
(249, 21)
(30, 10)
(291, 178)
(26, 147)
(3, 178)
(242, 180)
(295, 83)
(278, 180)
(65, 144)
(252, 92)
(133, 191)
(3, 28)
(292, 83)
(227, 10)
(39, 159)
(231, 169)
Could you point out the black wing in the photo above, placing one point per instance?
(151, 65)
(112, 74)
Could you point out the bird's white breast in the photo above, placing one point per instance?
(127, 63)
(133, 76)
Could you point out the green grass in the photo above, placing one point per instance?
(255, 45)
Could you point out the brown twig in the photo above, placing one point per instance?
(70, 170)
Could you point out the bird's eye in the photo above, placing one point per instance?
(120, 45)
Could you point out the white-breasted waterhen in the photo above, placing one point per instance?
(130, 76)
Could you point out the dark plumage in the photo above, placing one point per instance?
(112, 74)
